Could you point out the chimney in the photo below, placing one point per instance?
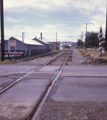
(41, 35)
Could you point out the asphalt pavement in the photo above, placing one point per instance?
(79, 94)
(17, 102)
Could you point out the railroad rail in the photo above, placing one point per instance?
(37, 107)
(31, 72)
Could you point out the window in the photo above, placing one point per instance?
(12, 44)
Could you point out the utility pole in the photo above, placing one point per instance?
(2, 29)
(86, 37)
(56, 40)
(41, 35)
(106, 31)
(22, 40)
(81, 37)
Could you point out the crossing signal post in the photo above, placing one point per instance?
(2, 29)
(100, 43)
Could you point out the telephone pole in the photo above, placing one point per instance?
(86, 37)
(106, 31)
(22, 40)
(56, 40)
(2, 29)
(81, 37)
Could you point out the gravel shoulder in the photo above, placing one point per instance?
(77, 58)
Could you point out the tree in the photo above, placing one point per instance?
(79, 42)
(92, 39)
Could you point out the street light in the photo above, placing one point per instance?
(2, 29)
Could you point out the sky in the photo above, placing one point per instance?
(66, 17)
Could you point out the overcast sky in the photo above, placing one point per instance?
(66, 17)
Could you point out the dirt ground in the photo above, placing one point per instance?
(91, 57)
(95, 62)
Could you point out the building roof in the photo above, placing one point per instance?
(40, 40)
(27, 41)
(32, 42)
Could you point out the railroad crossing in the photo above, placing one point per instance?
(78, 92)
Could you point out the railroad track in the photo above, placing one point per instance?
(37, 107)
(29, 73)
(35, 74)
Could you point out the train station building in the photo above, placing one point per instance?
(27, 48)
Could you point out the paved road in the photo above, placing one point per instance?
(79, 94)
(17, 102)
(9, 73)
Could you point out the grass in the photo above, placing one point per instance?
(55, 50)
(7, 61)
(89, 54)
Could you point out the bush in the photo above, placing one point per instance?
(67, 46)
